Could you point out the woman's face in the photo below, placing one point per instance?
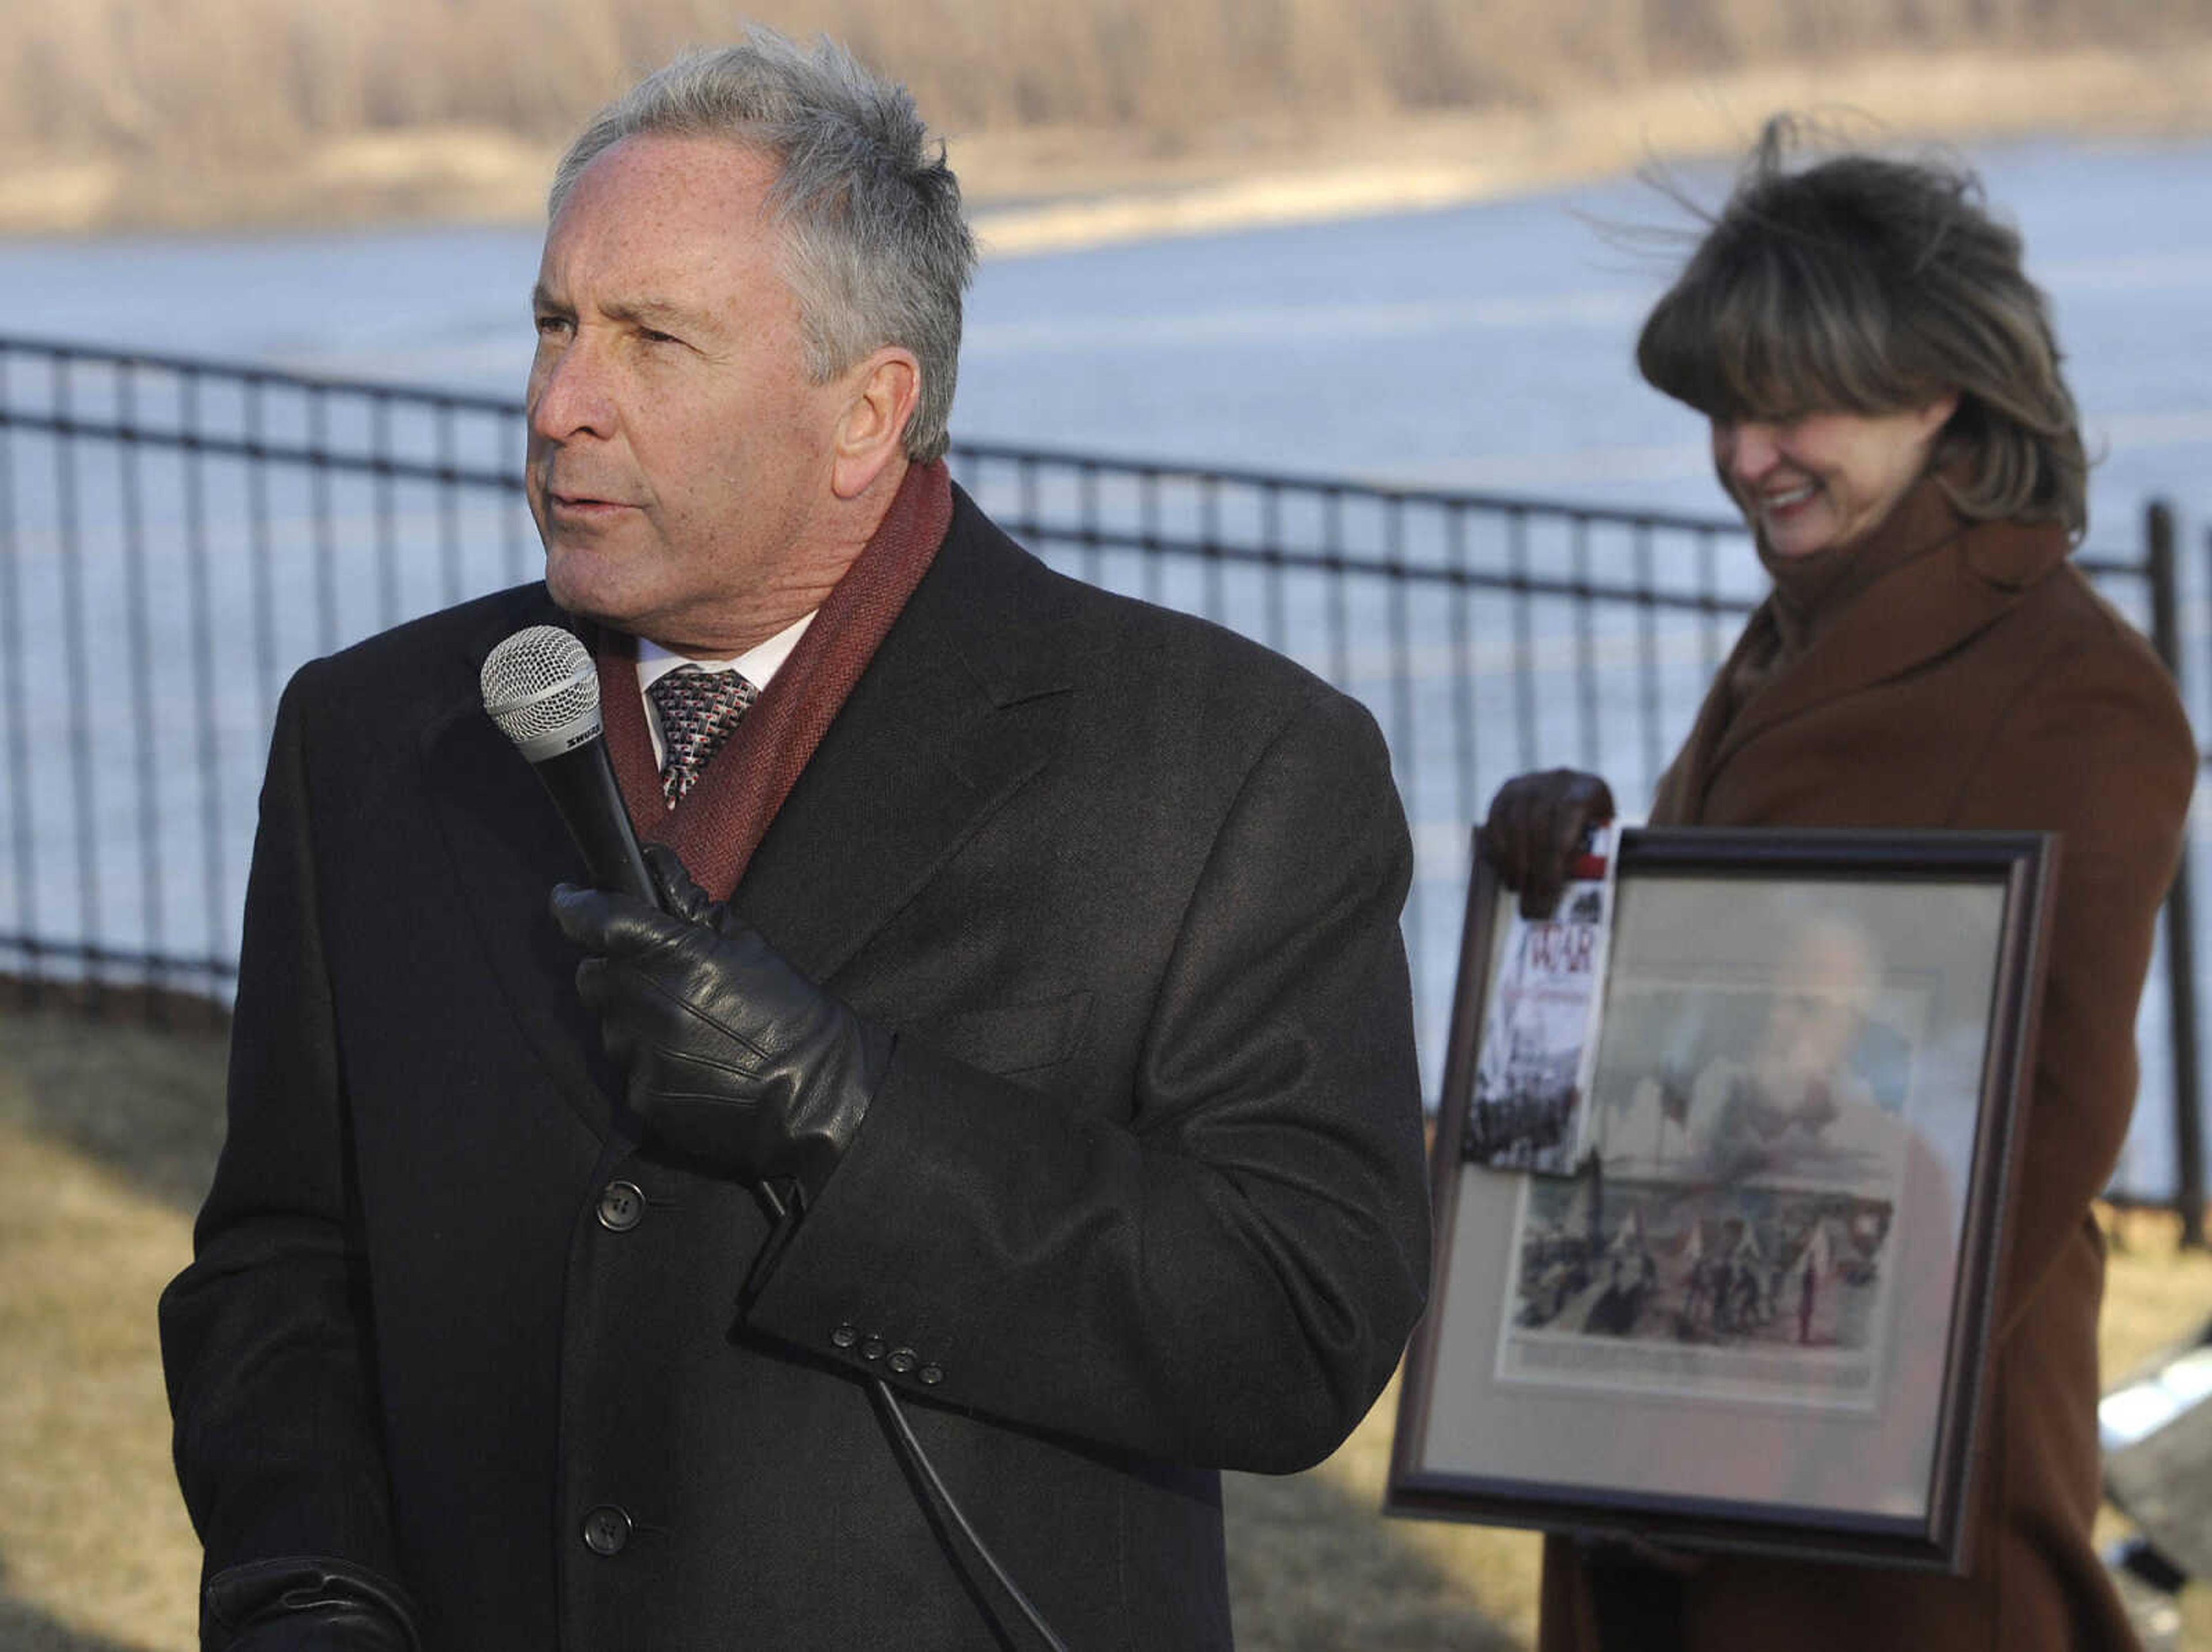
(1827, 480)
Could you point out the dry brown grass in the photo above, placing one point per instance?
(106, 1135)
(2156, 1296)
(285, 110)
(251, 75)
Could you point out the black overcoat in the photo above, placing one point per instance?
(1141, 1196)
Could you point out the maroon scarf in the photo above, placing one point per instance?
(722, 819)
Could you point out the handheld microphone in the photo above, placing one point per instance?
(542, 690)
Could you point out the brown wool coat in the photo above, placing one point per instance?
(1984, 685)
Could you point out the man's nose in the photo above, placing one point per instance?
(568, 391)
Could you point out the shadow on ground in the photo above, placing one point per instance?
(25, 1629)
(145, 1099)
(22, 1629)
(1314, 1567)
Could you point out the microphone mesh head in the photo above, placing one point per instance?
(542, 690)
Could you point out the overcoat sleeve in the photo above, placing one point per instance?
(2098, 750)
(1227, 1278)
(267, 1340)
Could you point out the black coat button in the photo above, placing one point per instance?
(872, 1348)
(622, 1206)
(931, 1375)
(843, 1337)
(606, 1530)
(902, 1360)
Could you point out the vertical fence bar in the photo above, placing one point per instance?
(2180, 913)
(1404, 742)
(76, 646)
(1709, 587)
(1025, 490)
(1466, 704)
(318, 505)
(1340, 617)
(15, 692)
(1150, 573)
(514, 547)
(1093, 554)
(139, 630)
(263, 554)
(1275, 597)
(1585, 650)
(1209, 546)
(449, 504)
(214, 896)
(1524, 646)
(385, 493)
(1647, 652)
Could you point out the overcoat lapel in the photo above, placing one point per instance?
(964, 703)
(1916, 613)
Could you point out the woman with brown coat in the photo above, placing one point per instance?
(1888, 412)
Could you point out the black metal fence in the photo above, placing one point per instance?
(177, 536)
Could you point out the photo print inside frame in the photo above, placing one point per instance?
(1750, 1126)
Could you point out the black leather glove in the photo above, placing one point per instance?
(305, 1604)
(735, 1059)
(1536, 824)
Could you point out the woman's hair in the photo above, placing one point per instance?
(1861, 284)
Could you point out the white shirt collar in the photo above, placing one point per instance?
(759, 664)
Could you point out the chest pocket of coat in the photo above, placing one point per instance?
(1011, 1038)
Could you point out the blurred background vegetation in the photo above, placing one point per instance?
(118, 112)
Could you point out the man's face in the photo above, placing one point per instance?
(679, 461)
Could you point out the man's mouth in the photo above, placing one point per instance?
(1785, 500)
(568, 504)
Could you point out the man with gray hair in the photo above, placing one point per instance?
(1005, 1119)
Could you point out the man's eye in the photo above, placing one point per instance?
(551, 326)
(654, 336)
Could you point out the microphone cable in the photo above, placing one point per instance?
(910, 1450)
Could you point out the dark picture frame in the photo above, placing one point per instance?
(1758, 1317)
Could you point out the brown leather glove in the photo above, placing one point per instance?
(1537, 824)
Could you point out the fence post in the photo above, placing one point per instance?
(2180, 913)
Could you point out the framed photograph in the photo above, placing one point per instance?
(1756, 1318)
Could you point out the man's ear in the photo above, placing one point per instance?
(871, 432)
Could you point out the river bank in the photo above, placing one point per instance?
(1050, 189)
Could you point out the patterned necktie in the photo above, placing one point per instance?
(698, 711)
